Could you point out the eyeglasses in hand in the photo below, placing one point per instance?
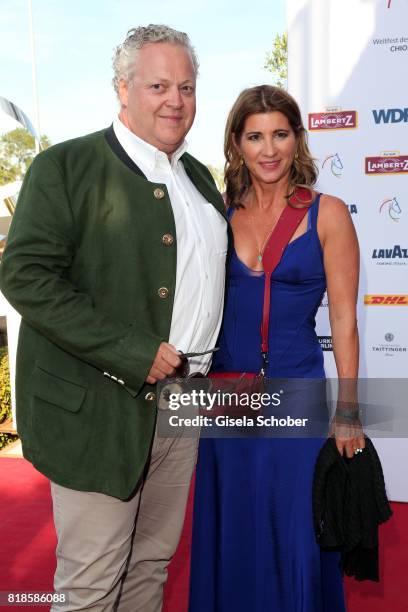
(183, 371)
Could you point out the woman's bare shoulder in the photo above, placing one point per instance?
(334, 216)
(332, 204)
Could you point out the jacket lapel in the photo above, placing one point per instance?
(205, 185)
(197, 175)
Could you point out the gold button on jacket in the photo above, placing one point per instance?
(163, 292)
(168, 239)
(159, 194)
(150, 397)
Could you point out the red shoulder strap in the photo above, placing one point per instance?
(283, 231)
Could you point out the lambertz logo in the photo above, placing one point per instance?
(394, 255)
(387, 163)
(326, 343)
(391, 115)
(390, 348)
(393, 207)
(333, 120)
(386, 300)
(335, 164)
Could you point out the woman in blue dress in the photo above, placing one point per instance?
(254, 548)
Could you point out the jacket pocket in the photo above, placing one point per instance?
(56, 390)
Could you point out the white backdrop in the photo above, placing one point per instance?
(348, 69)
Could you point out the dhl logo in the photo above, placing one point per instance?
(386, 300)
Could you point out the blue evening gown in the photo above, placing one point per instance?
(254, 548)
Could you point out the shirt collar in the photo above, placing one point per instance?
(142, 152)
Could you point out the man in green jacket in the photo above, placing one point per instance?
(115, 260)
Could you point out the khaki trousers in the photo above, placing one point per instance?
(113, 554)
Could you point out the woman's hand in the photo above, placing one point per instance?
(348, 434)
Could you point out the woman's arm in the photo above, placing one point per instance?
(341, 263)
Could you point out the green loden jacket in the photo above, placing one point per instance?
(90, 265)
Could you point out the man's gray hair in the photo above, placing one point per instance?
(125, 54)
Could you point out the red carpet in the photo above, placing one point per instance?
(27, 541)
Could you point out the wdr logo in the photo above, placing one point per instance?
(390, 115)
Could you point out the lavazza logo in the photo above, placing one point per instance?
(389, 348)
(333, 119)
(390, 115)
(391, 256)
(386, 300)
(390, 162)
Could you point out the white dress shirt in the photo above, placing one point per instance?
(201, 234)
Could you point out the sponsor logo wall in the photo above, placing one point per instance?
(347, 76)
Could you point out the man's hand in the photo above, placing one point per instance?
(165, 363)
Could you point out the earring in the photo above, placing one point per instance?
(241, 161)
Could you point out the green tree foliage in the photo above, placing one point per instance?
(5, 398)
(218, 176)
(5, 392)
(277, 60)
(17, 151)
